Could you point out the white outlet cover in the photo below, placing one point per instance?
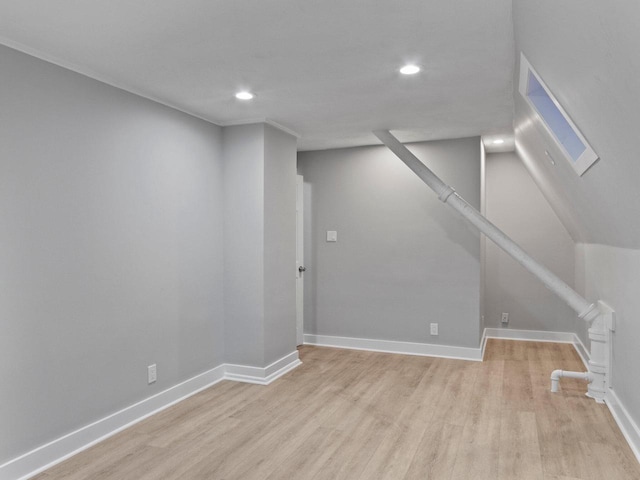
(152, 373)
(434, 329)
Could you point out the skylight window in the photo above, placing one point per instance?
(574, 146)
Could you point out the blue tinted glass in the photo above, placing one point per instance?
(554, 118)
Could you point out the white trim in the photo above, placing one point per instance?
(589, 156)
(100, 77)
(268, 121)
(583, 352)
(54, 452)
(46, 456)
(483, 343)
(263, 376)
(627, 426)
(282, 128)
(625, 422)
(541, 336)
(389, 346)
(530, 335)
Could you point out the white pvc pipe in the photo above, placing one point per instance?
(598, 315)
(586, 310)
(556, 375)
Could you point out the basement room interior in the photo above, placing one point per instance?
(319, 240)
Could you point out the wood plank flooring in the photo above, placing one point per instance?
(362, 415)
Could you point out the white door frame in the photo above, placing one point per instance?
(299, 260)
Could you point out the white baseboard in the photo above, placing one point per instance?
(52, 453)
(389, 346)
(541, 336)
(530, 335)
(629, 428)
(48, 455)
(263, 376)
(483, 343)
(627, 425)
(583, 351)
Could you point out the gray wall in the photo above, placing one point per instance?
(279, 244)
(514, 204)
(260, 244)
(581, 328)
(403, 259)
(244, 243)
(612, 274)
(483, 240)
(587, 53)
(111, 250)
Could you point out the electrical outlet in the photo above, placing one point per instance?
(152, 374)
(505, 317)
(434, 329)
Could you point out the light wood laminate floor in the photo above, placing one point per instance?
(362, 415)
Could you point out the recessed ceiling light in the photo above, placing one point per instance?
(244, 95)
(499, 141)
(409, 69)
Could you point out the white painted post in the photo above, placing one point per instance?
(587, 311)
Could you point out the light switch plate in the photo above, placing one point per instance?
(332, 236)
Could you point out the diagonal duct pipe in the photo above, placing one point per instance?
(590, 312)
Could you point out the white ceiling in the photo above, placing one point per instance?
(326, 69)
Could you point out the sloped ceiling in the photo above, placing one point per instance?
(325, 69)
(588, 53)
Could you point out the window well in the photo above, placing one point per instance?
(562, 129)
